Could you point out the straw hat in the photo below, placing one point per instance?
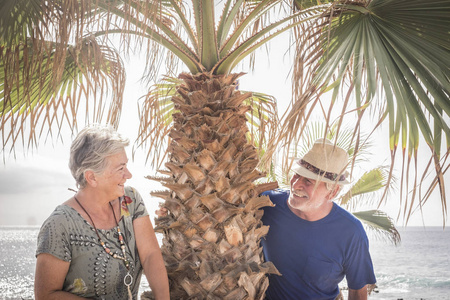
(324, 162)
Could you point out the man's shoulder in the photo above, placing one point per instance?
(349, 219)
(276, 193)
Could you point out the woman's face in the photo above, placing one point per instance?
(113, 178)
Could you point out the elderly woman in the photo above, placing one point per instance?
(98, 242)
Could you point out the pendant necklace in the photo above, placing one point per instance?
(128, 279)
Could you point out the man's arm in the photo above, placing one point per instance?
(360, 294)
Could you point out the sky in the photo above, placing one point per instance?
(34, 182)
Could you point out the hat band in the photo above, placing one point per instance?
(328, 175)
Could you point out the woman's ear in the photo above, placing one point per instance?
(90, 178)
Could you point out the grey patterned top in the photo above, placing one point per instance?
(93, 273)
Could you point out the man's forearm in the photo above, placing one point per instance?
(360, 294)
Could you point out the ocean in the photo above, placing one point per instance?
(417, 269)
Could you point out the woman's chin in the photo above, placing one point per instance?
(121, 191)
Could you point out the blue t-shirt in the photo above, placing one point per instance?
(313, 257)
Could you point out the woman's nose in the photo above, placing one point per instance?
(128, 174)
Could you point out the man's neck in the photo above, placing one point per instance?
(313, 214)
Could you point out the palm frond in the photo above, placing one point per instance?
(378, 222)
(371, 181)
(33, 96)
(302, 4)
(232, 53)
(155, 117)
(392, 55)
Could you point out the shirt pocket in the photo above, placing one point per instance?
(317, 273)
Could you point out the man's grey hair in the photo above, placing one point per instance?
(90, 149)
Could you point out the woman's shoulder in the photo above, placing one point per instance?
(129, 191)
(132, 203)
(61, 213)
(131, 196)
(58, 222)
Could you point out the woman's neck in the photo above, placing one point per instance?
(93, 199)
(93, 206)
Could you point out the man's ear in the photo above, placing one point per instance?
(334, 192)
(90, 178)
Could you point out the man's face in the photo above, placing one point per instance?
(308, 195)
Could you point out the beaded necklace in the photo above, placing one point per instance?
(128, 280)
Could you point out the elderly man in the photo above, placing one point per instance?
(312, 241)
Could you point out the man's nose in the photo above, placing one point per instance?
(298, 181)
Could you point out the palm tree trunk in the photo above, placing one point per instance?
(211, 235)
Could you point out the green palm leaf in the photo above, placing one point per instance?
(44, 100)
(379, 223)
(371, 181)
(407, 48)
(394, 55)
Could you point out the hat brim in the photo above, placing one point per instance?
(298, 169)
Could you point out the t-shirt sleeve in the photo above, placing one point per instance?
(53, 238)
(136, 206)
(359, 268)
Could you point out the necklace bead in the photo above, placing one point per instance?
(128, 280)
(121, 240)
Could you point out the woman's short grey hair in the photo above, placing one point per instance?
(90, 149)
